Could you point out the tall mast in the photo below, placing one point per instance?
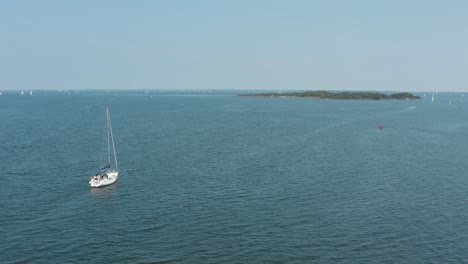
(112, 138)
(108, 134)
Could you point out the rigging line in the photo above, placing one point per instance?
(108, 134)
(102, 146)
(113, 146)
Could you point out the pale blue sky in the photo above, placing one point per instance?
(418, 45)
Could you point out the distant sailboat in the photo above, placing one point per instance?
(22, 92)
(30, 92)
(450, 101)
(432, 97)
(108, 173)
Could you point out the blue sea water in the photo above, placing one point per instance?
(210, 177)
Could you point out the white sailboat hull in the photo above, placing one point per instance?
(96, 181)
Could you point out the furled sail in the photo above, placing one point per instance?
(106, 167)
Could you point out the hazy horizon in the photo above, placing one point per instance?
(139, 90)
(417, 46)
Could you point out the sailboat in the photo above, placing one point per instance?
(108, 173)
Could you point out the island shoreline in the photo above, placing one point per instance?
(325, 95)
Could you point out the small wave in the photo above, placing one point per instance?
(151, 228)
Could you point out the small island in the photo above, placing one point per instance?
(340, 95)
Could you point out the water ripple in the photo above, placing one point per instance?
(234, 180)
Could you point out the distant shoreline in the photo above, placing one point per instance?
(324, 95)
